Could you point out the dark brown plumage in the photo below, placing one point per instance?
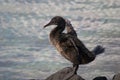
(68, 45)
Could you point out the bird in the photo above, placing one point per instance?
(69, 46)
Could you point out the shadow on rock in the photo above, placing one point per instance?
(100, 78)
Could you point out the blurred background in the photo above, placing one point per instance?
(25, 50)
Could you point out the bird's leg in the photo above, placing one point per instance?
(75, 68)
(69, 75)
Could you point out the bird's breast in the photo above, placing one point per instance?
(56, 44)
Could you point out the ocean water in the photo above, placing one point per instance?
(25, 50)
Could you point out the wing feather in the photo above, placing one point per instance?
(74, 50)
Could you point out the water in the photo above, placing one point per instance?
(25, 51)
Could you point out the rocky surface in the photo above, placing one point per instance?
(116, 76)
(62, 73)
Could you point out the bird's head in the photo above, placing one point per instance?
(57, 20)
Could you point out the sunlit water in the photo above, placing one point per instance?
(25, 51)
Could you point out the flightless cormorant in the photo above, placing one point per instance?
(69, 46)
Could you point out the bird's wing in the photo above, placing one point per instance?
(73, 47)
(72, 43)
(70, 29)
(83, 50)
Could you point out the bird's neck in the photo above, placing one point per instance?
(57, 31)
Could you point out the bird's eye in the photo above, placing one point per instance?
(54, 21)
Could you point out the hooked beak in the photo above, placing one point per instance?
(50, 23)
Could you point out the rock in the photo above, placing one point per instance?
(116, 76)
(100, 78)
(62, 73)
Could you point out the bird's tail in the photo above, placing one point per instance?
(98, 50)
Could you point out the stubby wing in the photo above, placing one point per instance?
(74, 50)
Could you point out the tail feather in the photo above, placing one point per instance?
(98, 50)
